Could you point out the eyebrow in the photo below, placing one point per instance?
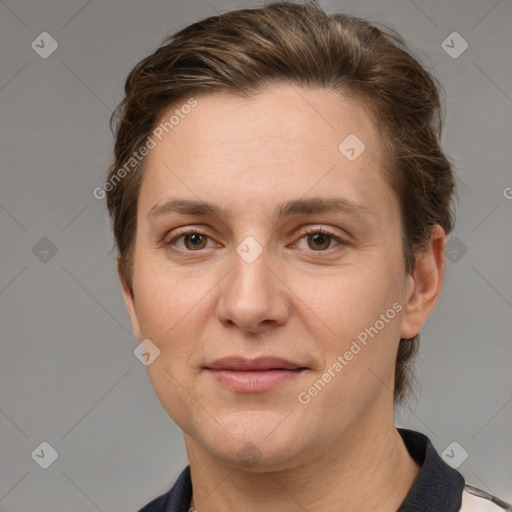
(290, 208)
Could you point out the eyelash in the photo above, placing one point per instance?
(311, 231)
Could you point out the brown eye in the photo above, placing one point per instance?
(195, 241)
(319, 241)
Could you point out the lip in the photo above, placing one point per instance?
(253, 375)
(237, 363)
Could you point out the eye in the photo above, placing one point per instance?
(319, 240)
(190, 241)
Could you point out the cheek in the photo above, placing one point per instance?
(163, 306)
(171, 314)
(351, 315)
(162, 298)
(347, 301)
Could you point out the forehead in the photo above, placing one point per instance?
(282, 143)
(314, 119)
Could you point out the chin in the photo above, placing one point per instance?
(263, 426)
(257, 440)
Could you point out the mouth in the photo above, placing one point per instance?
(253, 375)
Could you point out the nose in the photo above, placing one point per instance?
(253, 295)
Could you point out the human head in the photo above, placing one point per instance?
(241, 52)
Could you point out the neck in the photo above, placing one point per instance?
(368, 469)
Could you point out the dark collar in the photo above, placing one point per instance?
(437, 488)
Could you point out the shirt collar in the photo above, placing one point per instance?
(437, 488)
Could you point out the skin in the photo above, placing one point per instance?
(301, 299)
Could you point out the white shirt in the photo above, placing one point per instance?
(476, 500)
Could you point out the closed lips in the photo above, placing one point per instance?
(258, 364)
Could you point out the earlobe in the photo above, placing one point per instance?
(424, 285)
(129, 302)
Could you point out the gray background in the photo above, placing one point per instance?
(67, 369)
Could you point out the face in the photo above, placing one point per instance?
(257, 236)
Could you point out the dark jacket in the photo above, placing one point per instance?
(437, 488)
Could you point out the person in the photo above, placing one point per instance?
(280, 204)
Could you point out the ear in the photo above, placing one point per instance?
(424, 285)
(129, 302)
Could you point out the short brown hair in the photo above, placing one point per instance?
(241, 51)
